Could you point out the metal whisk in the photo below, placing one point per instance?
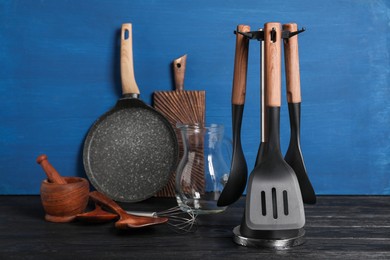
(181, 219)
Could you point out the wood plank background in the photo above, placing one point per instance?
(59, 71)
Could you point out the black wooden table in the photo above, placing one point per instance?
(337, 227)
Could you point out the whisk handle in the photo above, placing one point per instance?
(143, 213)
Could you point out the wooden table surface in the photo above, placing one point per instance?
(337, 227)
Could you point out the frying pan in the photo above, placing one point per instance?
(130, 151)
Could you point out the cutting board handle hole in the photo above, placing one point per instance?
(178, 65)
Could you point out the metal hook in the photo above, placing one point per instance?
(259, 35)
(288, 34)
(254, 35)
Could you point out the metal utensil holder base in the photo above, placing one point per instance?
(278, 244)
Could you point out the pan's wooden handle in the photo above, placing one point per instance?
(179, 69)
(129, 86)
(272, 60)
(240, 66)
(291, 60)
(52, 174)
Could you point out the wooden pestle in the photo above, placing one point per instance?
(52, 174)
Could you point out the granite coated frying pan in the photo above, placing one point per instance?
(130, 151)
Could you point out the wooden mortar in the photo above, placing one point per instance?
(62, 197)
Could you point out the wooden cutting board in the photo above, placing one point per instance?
(181, 106)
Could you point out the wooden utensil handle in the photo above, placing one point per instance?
(291, 60)
(106, 201)
(52, 174)
(272, 68)
(129, 86)
(179, 69)
(240, 66)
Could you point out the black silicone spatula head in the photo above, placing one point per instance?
(294, 154)
(236, 183)
(274, 204)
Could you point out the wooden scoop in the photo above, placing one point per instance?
(98, 215)
(126, 221)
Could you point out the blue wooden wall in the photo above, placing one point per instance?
(59, 71)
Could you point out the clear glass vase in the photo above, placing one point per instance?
(203, 170)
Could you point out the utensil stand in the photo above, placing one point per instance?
(278, 238)
(264, 242)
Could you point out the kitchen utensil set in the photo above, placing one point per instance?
(278, 187)
(130, 152)
(274, 207)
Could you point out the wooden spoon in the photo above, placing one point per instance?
(98, 215)
(126, 221)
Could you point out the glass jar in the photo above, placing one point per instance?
(203, 170)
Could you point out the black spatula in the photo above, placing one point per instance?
(238, 170)
(294, 154)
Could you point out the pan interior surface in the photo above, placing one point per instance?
(129, 154)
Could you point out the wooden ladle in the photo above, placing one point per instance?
(126, 221)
